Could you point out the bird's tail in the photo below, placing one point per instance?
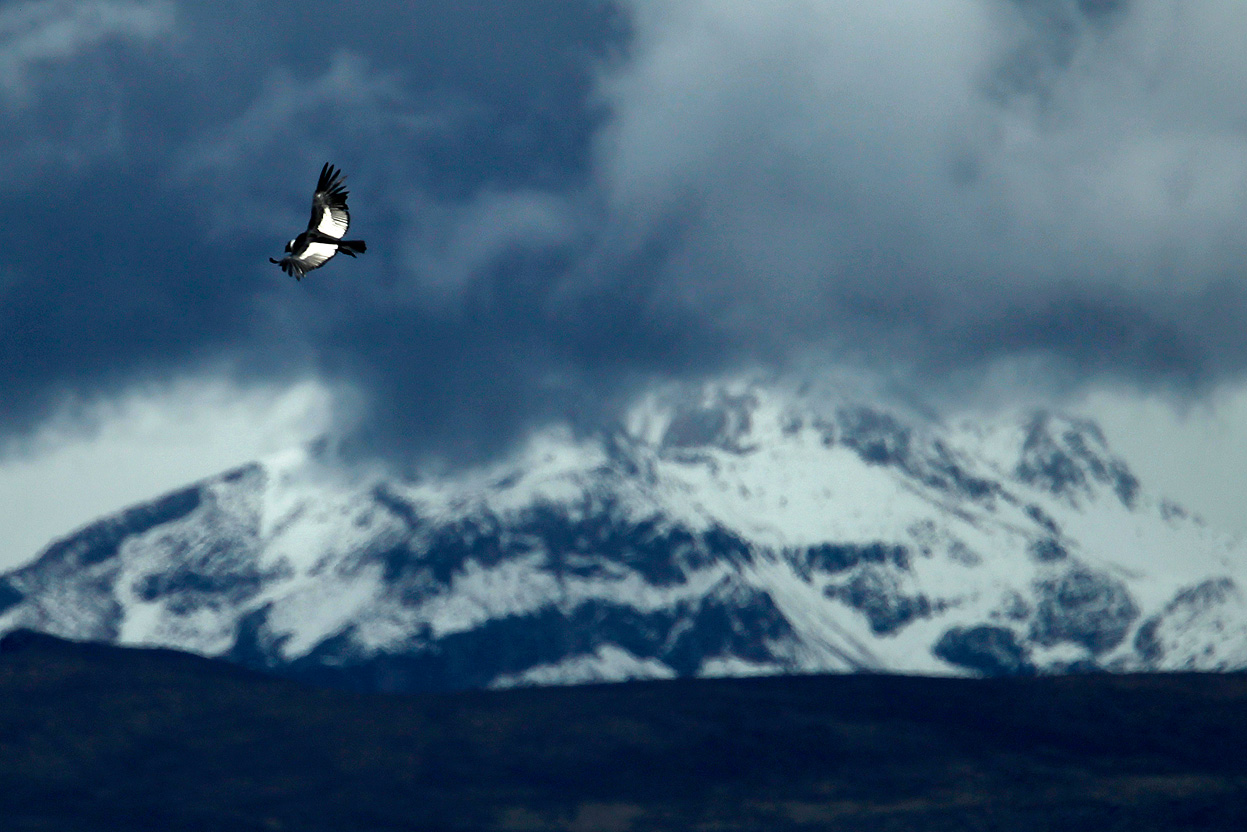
(352, 247)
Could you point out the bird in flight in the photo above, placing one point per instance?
(323, 238)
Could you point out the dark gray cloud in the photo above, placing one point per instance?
(567, 200)
(163, 150)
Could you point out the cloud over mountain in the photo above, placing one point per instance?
(571, 199)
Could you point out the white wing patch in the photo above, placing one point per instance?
(333, 222)
(316, 254)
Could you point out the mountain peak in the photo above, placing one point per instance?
(738, 530)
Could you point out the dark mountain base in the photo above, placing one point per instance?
(95, 738)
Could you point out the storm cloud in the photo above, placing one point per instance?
(566, 201)
(947, 185)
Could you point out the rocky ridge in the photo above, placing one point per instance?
(738, 530)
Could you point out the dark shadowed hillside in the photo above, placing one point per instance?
(95, 737)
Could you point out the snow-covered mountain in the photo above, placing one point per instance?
(739, 530)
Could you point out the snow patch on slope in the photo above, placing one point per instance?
(607, 664)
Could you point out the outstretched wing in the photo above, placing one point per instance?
(329, 212)
(312, 256)
(316, 255)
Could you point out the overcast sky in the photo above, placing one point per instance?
(987, 201)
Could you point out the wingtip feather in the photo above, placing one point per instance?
(327, 176)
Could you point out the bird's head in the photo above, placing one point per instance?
(290, 246)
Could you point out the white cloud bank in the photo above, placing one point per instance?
(920, 173)
(141, 445)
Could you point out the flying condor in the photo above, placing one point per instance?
(323, 238)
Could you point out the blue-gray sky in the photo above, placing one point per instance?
(566, 200)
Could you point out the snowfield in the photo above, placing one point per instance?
(734, 531)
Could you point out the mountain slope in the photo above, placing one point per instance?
(737, 531)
